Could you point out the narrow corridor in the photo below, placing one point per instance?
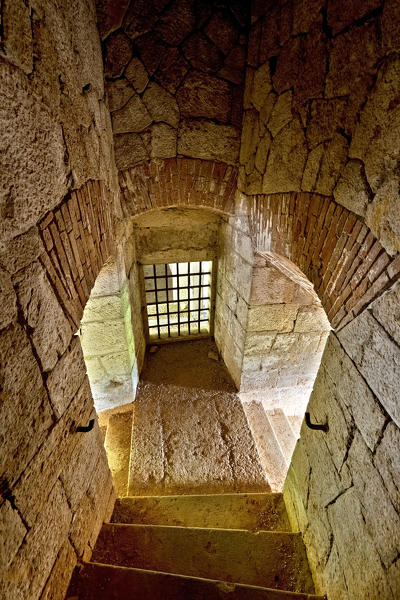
(189, 431)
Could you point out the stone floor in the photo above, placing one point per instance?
(190, 433)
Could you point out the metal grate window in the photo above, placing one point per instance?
(178, 299)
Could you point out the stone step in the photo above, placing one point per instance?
(104, 582)
(283, 432)
(226, 511)
(265, 558)
(269, 450)
(117, 445)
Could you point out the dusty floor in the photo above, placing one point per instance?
(190, 434)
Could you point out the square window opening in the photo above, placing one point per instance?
(178, 300)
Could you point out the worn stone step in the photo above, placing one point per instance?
(265, 558)
(226, 511)
(117, 445)
(283, 432)
(104, 582)
(269, 450)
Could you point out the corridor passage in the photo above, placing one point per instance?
(190, 433)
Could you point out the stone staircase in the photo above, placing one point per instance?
(275, 435)
(201, 547)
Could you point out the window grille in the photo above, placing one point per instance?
(178, 299)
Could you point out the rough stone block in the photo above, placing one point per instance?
(354, 392)
(349, 528)
(118, 92)
(390, 25)
(118, 53)
(261, 86)
(28, 573)
(377, 357)
(110, 15)
(272, 318)
(339, 19)
(66, 378)
(50, 329)
(281, 114)
(102, 308)
(52, 457)
(206, 96)
(387, 463)
(21, 251)
(204, 139)
(286, 160)
(258, 343)
(97, 337)
(202, 53)
(92, 510)
(382, 525)
(352, 189)
(8, 300)
(24, 401)
(177, 22)
(311, 318)
(57, 584)
(137, 75)
(386, 310)
(129, 150)
(161, 105)
(16, 43)
(32, 136)
(332, 163)
(163, 141)
(12, 531)
(133, 117)
(83, 459)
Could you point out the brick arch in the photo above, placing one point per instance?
(178, 182)
(331, 245)
(78, 239)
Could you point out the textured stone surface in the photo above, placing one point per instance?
(8, 300)
(226, 511)
(286, 160)
(133, 117)
(52, 457)
(164, 461)
(57, 584)
(202, 95)
(226, 562)
(370, 347)
(352, 189)
(28, 573)
(204, 139)
(67, 376)
(136, 73)
(50, 330)
(17, 34)
(161, 105)
(118, 54)
(13, 532)
(34, 135)
(24, 402)
(119, 92)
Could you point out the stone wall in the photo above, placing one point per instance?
(342, 489)
(174, 77)
(318, 167)
(107, 339)
(55, 233)
(235, 263)
(321, 107)
(285, 336)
